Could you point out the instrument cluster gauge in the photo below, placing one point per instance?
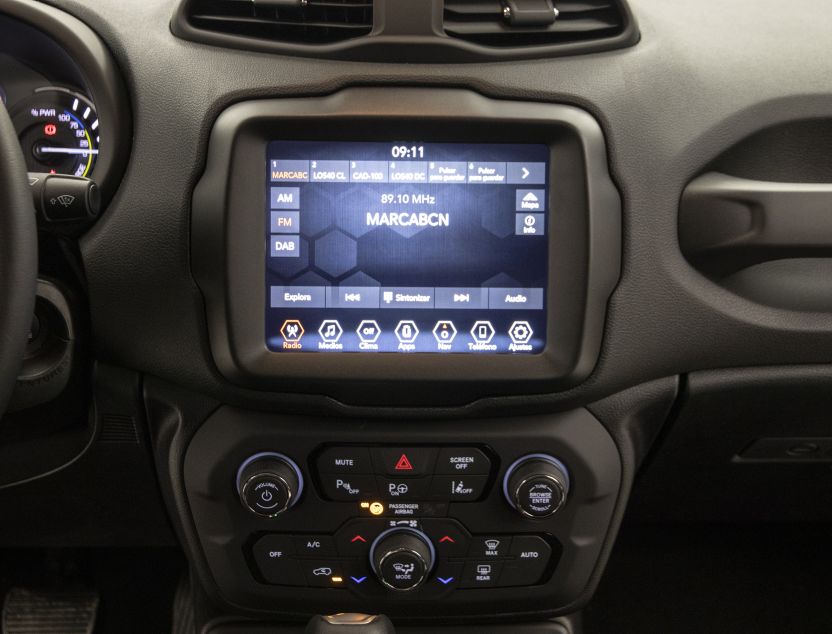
(58, 131)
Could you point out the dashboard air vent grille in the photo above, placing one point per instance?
(490, 23)
(295, 21)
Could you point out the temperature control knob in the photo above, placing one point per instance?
(402, 558)
(536, 485)
(269, 483)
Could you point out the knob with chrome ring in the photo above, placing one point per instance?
(536, 485)
(269, 483)
(402, 558)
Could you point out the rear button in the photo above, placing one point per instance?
(481, 574)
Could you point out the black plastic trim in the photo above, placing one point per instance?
(412, 32)
(227, 243)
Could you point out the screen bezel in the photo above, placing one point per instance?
(228, 246)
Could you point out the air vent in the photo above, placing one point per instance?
(292, 21)
(501, 23)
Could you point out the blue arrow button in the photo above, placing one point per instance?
(359, 580)
(446, 580)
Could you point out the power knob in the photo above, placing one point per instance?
(269, 483)
(402, 558)
(536, 485)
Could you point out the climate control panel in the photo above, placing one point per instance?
(325, 515)
(429, 557)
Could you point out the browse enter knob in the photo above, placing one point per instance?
(536, 485)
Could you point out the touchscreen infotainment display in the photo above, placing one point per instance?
(406, 247)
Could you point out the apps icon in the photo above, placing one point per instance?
(482, 332)
(330, 331)
(444, 331)
(520, 332)
(407, 331)
(292, 330)
(368, 331)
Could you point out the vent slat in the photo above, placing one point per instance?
(278, 24)
(482, 22)
(318, 22)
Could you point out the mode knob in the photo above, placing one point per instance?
(402, 558)
(269, 483)
(536, 485)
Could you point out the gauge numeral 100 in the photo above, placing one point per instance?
(412, 151)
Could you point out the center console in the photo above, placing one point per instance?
(325, 516)
(392, 251)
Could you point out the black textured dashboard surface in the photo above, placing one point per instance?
(704, 76)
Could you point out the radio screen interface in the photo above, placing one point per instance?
(406, 247)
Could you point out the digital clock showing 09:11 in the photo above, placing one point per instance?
(408, 151)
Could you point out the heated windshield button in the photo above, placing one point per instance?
(490, 547)
(345, 460)
(462, 460)
(405, 461)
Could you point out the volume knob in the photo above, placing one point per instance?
(269, 483)
(536, 485)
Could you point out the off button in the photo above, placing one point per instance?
(462, 460)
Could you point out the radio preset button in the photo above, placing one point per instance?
(462, 460)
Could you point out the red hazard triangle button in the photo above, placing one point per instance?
(403, 464)
(405, 461)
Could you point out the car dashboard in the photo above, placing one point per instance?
(402, 308)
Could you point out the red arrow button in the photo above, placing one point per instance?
(358, 538)
(447, 538)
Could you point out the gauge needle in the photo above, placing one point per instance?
(64, 150)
